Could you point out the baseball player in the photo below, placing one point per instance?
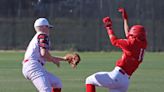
(133, 47)
(36, 55)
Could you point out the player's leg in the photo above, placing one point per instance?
(118, 90)
(114, 90)
(42, 84)
(121, 80)
(101, 79)
(90, 88)
(114, 80)
(56, 89)
(33, 71)
(55, 82)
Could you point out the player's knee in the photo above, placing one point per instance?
(88, 80)
(57, 83)
(45, 89)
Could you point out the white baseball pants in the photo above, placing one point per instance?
(115, 81)
(41, 79)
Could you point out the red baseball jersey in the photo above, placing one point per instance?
(133, 53)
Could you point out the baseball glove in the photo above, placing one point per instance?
(73, 59)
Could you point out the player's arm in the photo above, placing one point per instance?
(111, 35)
(48, 57)
(108, 25)
(121, 43)
(125, 20)
(44, 50)
(46, 54)
(126, 27)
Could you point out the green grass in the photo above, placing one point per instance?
(148, 78)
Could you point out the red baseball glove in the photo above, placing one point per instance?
(73, 59)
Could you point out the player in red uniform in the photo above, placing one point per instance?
(133, 48)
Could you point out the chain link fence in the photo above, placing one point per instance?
(78, 23)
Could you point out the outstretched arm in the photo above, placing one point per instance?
(46, 55)
(121, 43)
(108, 25)
(44, 50)
(125, 20)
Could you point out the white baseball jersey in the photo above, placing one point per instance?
(33, 50)
(33, 65)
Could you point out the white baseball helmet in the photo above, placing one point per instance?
(42, 22)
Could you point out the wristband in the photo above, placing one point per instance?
(110, 31)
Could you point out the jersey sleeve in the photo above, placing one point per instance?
(43, 41)
(120, 43)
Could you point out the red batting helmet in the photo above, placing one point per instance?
(138, 31)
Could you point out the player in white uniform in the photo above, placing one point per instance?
(36, 56)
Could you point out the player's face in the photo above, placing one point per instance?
(131, 36)
(44, 29)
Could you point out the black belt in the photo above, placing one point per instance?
(122, 71)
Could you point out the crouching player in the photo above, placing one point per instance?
(36, 55)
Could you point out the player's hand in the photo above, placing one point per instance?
(107, 22)
(123, 12)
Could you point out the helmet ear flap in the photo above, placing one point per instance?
(141, 37)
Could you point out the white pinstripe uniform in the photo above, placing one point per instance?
(33, 67)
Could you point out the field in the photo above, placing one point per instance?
(148, 78)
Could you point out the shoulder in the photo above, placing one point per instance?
(124, 41)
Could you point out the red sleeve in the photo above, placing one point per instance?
(43, 41)
(121, 43)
